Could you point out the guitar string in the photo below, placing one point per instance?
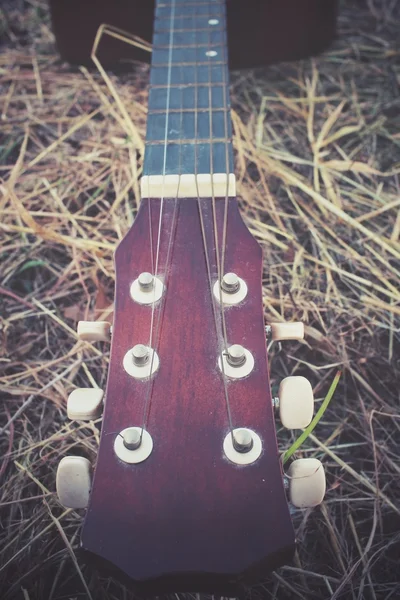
(169, 253)
(216, 242)
(147, 405)
(226, 201)
(147, 402)
(225, 83)
(220, 263)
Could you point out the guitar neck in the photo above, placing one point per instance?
(189, 134)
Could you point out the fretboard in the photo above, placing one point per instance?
(189, 124)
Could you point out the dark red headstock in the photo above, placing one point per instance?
(189, 516)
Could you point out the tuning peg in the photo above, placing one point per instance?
(73, 481)
(307, 483)
(285, 331)
(94, 331)
(295, 402)
(84, 404)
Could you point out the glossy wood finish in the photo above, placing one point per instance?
(187, 519)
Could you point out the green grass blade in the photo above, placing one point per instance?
(30, 264)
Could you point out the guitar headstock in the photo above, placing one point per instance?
(188, 492)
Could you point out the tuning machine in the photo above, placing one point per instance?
(279, 332)
(94, 331)
(305, 482)
(305, 478)
(85, 404)
(295, 402)
(73, 480)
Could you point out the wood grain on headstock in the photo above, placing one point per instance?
(187, 519)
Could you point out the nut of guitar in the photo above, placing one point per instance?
(296, 402)
(73, 481)
(85, 404)
(94, 331)
(307, 483)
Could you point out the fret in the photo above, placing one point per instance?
(202, 74)
(200, 20)
(205, 10)
(186, 2)
(187, 125)
(184, 110)
(189, 9)
(190, 39)
(207, 45)
(160, 86)
(191, 30)
(192, 141)
(186, 97)
(185, 158)
(180, 126)
(196, 64)
(186, 23)
(185, 55)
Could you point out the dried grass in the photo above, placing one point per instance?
(318, 164)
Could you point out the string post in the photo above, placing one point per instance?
(242, 440)
(140, 355)
(146, 281)
(236, 355)
(132, 439)
(230, 283)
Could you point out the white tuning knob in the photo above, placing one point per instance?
(296, 402)
(73, 481)
(307, 483)
(94, 331)
(85, 404)
(285, 331)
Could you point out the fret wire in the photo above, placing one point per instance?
(188, 64)
(185, 30)
(215, 109)
(184, 85)
(200, 16)
(213, 6)
(189, 3)
(186, 3)
(191, 46)
(193, 141)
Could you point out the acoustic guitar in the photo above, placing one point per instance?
(189, 493)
